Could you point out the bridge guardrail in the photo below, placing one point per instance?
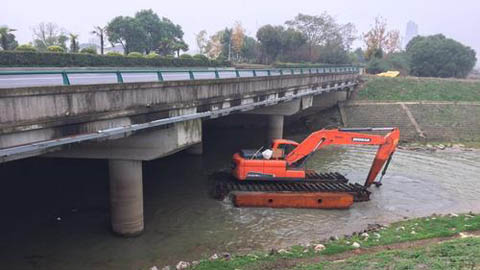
(194, 74)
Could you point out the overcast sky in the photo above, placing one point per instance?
(458, 19)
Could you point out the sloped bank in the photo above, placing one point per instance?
(424, 121)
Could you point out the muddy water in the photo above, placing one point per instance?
(55, 212)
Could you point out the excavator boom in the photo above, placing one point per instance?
(348, 136)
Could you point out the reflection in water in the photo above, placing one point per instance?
(182, 222)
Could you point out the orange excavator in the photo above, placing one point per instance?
(277, 177)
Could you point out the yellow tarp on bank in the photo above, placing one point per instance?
(391, 74)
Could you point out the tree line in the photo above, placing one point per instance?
(145, 33)
(302, 39)
(305, 38)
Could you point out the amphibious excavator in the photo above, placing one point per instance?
(277, 177)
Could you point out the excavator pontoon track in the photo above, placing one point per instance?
(315, 183)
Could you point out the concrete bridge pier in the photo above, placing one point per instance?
(275, 127)
(276, 115)
(125, 156)
(126, 196)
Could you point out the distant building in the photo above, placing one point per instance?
(410, 33)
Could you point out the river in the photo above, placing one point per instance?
(55, 212)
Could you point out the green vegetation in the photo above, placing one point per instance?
(302, 65)
(186, 56)
(417, 89)
(153, 55)
(7, 38)
(135, 55)
(146, 32)
(455, 254)
(26, 48)
(114, 54)
(52, 59)
(400, 232)
(438, 56)
(89, 50)
(55, 48)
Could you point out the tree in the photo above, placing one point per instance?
(152, 28)
(357, 56)
(100, 32)
(171, 39)
(49, 34)
(214, 45)
(226, 41)
(323, 30)
(379, 38)
(250, 49)
(127, 32)
(202, 41)
(438, 56)
(74, 46)
(7, 39)
(179, 45)
(238, 36)
(270, 38)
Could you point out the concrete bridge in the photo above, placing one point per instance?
(128, 123)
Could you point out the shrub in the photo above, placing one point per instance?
(89, 50)
(114, 54)
(376, 65)
(38, 59)
(186, 56)
(200, 57)
(26, 48)
(152, 55)
(55, 48)
(135, 55)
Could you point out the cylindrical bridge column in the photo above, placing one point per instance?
(275, 127)
(126, 196)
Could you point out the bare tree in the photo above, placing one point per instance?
(202, 41)
(380, 39)
(238, 36)
(49, 34)
(323, 30)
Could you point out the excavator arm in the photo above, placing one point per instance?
(348, 136)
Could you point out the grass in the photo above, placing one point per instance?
(404, 231)
(454, 254)
(416, 89)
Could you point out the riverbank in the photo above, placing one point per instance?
(419, 89)
(448, 241)
(426, 110)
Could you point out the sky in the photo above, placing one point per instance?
(456, 19)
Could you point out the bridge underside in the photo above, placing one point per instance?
(127, 128)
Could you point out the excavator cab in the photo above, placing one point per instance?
(281, 148)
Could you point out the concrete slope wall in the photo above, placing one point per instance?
(429, 121)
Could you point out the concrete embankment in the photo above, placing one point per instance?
(418, 121)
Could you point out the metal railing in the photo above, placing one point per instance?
(120, 76)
